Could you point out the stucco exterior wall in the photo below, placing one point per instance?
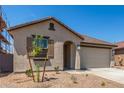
(60, 35)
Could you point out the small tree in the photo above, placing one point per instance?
(34, 50)
(37, 49)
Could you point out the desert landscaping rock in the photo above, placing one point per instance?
(62, 80)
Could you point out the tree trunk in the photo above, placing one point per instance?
(44, 71)
(31, 67)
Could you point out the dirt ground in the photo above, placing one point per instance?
(61, 80)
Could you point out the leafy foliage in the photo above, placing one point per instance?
(36, 48)
(28, 72)
(57, 69)
(86, 75)
(74, 79)
(36, 51)
(103, 83)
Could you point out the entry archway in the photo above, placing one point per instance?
(69, 55)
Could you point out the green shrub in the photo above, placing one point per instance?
(37, 72)
(86, 75)
(103, 83)
(28, 73)
(56, 69)
(74, 79)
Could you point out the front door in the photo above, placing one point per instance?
(67, 54)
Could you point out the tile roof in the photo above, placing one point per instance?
(120, 45)
(89, 39)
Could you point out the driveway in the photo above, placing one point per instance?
(113, 74)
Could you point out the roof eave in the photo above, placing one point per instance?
(119, 48)
(109, 45)
(44, 19)
(27, 24)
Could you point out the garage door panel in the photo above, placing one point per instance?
(94, 57)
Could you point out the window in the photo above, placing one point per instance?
(43, 43)
(51, 26)
(40, 42)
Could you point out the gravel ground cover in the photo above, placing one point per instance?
(61, 80)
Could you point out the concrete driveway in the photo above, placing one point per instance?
(113, 74)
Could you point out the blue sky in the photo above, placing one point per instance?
(102, 22)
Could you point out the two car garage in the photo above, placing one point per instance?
(94, 57)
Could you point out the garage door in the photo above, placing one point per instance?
(95, 57)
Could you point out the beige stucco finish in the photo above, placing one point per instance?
(60, 35)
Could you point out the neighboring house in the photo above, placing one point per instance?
(67, 48)
(6, 57)
(119, 54)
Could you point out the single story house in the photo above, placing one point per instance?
(119, 54)
(67, 49)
